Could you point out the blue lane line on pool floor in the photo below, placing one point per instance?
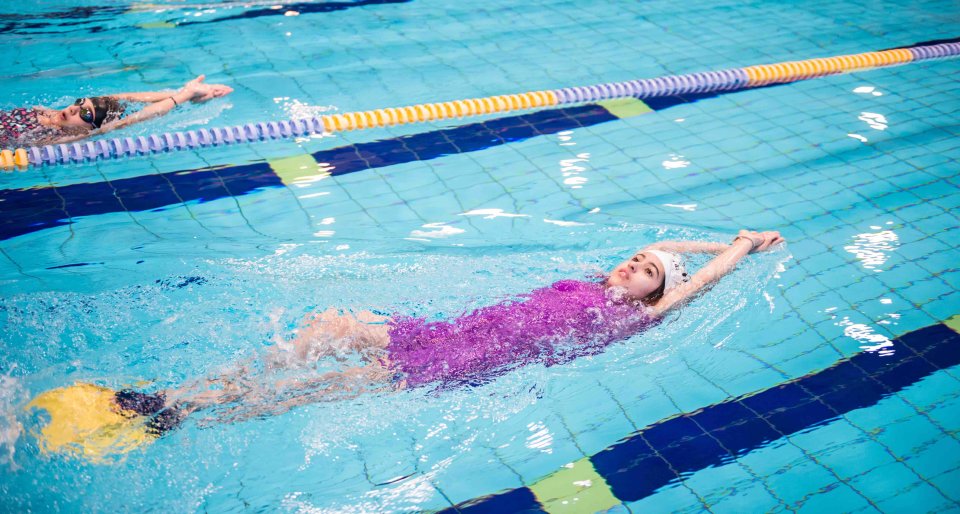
(651, 458)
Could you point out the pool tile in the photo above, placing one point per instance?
(715, 483)
(673, 498)
(793, 483)
(837, 498)
(496, 477)
(935, 457)
(884, 482)
(907, 436)
(948, 483)
(746, 497)
(947, 414)
(921, 497)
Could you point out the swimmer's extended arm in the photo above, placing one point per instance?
(746, 242)
(146, 97)
(208, 91)
(151, 111)
(689, 247)
(193, 91)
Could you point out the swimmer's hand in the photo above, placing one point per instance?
(760, 241)
(200, 92)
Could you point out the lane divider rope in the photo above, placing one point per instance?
(703, 82)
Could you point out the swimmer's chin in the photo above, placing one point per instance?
(617, 293)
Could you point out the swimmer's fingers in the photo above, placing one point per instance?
(213, 91)
(221, 90)
(198, 79)
(203, 92)
(770, 239)
(196, 82)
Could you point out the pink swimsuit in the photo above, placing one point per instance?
(21, 126)
(551, 325)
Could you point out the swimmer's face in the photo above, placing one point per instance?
(639, 275)
(78, 116)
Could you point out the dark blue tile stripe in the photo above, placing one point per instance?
(87, 18)
(520, 500)
(927, 43)
(23, 211)
(300, 7)
(653, 457)
(68, 20)
(637, 466)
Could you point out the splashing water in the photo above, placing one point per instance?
(11, 396)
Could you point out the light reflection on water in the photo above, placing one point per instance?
(873, 249)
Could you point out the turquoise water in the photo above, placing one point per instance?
(186, 289)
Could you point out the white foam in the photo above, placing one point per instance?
(11, 396)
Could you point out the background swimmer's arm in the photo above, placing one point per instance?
(151, 111)
(203, 92)
(689, 247)
(746, 242)
(193, 91)
(147, 97)
(61, 140)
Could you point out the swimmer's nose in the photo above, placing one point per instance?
(633, 268)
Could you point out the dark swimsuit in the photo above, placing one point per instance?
(153, 406)
(21, 126)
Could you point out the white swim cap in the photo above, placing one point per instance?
(674, 270)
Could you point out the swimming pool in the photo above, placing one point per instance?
(793, 385)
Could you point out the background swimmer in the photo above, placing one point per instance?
(96, 115)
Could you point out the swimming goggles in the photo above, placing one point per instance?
(86, 113)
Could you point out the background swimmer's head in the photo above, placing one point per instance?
(648, 275)
(88, 114)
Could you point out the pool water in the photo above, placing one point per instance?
(818, 377)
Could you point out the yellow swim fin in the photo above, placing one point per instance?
(86, 421)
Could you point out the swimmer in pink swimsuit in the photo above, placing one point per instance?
(91, 116)
(550, 326)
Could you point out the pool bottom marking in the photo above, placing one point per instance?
(625, 107)
(953, 323)
(652, 458)
(577, 487)
(298, 169)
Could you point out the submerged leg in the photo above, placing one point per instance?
(285, 394)
(331, 334)
(328, 334)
